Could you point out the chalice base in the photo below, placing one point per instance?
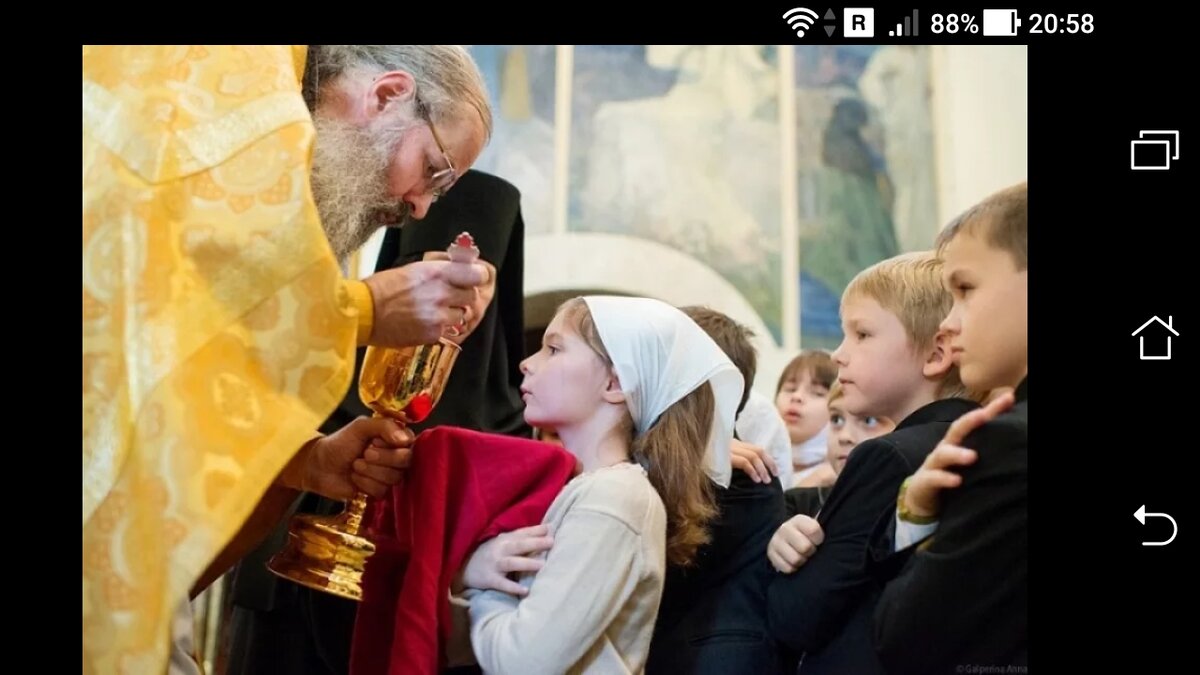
(322, 556)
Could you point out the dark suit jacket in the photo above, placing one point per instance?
(278, 626)
(823, 611)
(713, 615)
(962, 598)
(805, 501)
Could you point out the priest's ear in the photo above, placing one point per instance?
(387, 90)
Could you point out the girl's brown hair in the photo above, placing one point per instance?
(816, 363)
(672, 452)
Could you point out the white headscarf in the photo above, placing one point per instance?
(660, 355)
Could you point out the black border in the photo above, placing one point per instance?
(1109, 248)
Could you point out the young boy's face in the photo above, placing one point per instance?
(801, 404)
(877, 365)
(847, 430)
(988, 324)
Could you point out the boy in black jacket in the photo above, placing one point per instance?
(893, 362)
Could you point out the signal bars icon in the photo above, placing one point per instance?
(800, 19)
(909, 28)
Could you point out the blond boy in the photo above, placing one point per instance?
(895, 362)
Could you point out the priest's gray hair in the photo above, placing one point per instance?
(448, 80)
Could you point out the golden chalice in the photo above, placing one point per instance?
(327, 553)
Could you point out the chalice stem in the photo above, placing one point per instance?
(351, 517)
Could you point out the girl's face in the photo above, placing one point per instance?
(801, 404)
(564, 381)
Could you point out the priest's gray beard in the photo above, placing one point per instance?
(349, 181)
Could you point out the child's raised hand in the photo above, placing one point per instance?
(794, 543)
(923, 488)
(756, 462)
(496, 558)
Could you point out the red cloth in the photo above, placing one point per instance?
(462, 488)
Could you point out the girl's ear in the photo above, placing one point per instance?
(612, 390)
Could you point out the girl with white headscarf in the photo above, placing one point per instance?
(646, 401)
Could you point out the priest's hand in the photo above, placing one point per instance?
(416, 302)
(471, 314)
(368, 454)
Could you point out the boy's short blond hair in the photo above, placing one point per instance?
(835, 392)
(1001, 220)
(910, 287)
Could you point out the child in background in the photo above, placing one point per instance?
(758, 423)
(801, 398)
(846, 431)
(724, 593)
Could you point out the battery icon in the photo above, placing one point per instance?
(1000, 22)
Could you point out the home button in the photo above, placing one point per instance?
(1154, 339)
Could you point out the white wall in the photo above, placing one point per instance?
(981, 122)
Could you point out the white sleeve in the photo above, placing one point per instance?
(908, 533)
(591, 571)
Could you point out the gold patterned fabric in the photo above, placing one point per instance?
(217, 332)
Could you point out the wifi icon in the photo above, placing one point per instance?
(801, 19)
